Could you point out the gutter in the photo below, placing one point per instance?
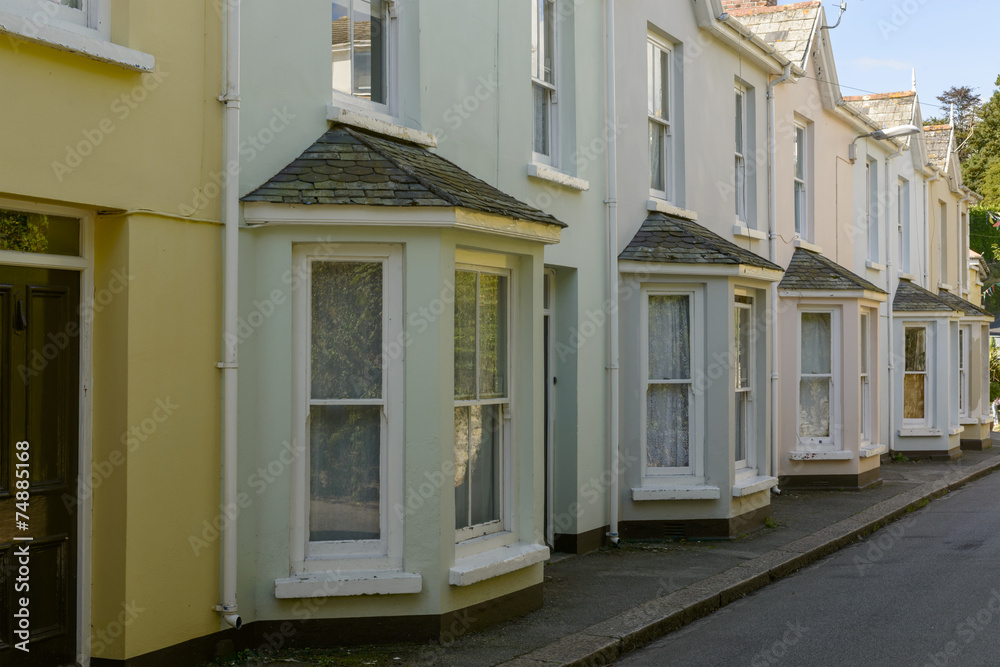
(230, 263)
(772, 236)
(771, 59)
(612, 277)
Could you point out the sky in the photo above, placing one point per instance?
(948, 42)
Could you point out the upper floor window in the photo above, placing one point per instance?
(741, 150)
(801, 158)
(903, 213)
(943, 244)
(543, 79)
(71, 14)
(361, 51)
(871, 199)
(659, 95)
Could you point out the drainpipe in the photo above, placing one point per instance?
(231, 219)
(612, 206)
(888, 288)
(927, 228)
(772, 236)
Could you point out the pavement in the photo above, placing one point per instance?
(601, 605)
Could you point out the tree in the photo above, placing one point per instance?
(981, 169)
(966, 105)
(24, 232)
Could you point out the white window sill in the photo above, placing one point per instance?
(945, 286)
(919, 432)
(874, 266)
(495, 562)
(338, 584)
(661, 205)
(832, 455)
(986, 419)
(751, 485)
(906, 276)
(368, 120)
(968, 421)
(547, 173)
(805, 245)
(677, 492)
(868, 451)
(743, 230)
(955, 430)
(62, 39)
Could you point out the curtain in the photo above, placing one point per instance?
(669, 337)
(668, 426)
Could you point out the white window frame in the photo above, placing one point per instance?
(694, 472)
(964, 339)
(538, 81)
(864, 374)
(928, 346)
(480, 537)
(390, 109)
(740, 161)
(664, 125)
(800, 181)
(829, 442)
(746, 467)
(386, 552)
(871, 212)
(943, 243)
(90, 20)
(904, 223)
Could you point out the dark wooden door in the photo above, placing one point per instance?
(39, 405)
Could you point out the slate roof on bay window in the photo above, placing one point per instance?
(938, 140)
(670, 240)
(915, 298)
(967, 307)
(788, 28)
(886, 109)
(350, 167)
(811, 271)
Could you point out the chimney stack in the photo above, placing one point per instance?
(746, 5)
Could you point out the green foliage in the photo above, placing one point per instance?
(23, 232)
(985, 239)
(966, 111)
(981, 170)
(994, 369)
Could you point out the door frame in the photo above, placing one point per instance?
(84, 264)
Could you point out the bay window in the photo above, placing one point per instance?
(915, 375)
(816, 378)
(482, 399)
(543, 79)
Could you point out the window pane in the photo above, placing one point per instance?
(815, 343)
(916, 350)
(864, 344)
(652, 77)
(542, 98)
(663, 83)
(742, 348)
(800, 152)
(492, 336)
(814, 407)
(344, 460)
(739, 122)
(548, 50)
(741, 425)
(667, 426)
(913, 396)
(33, 232)
(342, 46)
(669, 337)
(465, 335)
(740, 187)
(800, 207)
(477, 464)
(547, 291)
(346, 330)
(536, 46)
(657, 170)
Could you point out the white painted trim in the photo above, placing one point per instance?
(986, 419)
(676, 492)
(945, 286)
(906, 276)
(955, 430)
(920, 432)
(699, 270)
(753, 485)
(833, 455)
(874, 266)
(743, 230)
(968, 421)
(805, 245)
(547, 173)
(868, 451)
(13, 258)
(661, 205)
(338, 584)
(495, 562)
(834, 294)
(63, 39)
(379, 123)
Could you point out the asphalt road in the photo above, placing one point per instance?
(922, 591)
